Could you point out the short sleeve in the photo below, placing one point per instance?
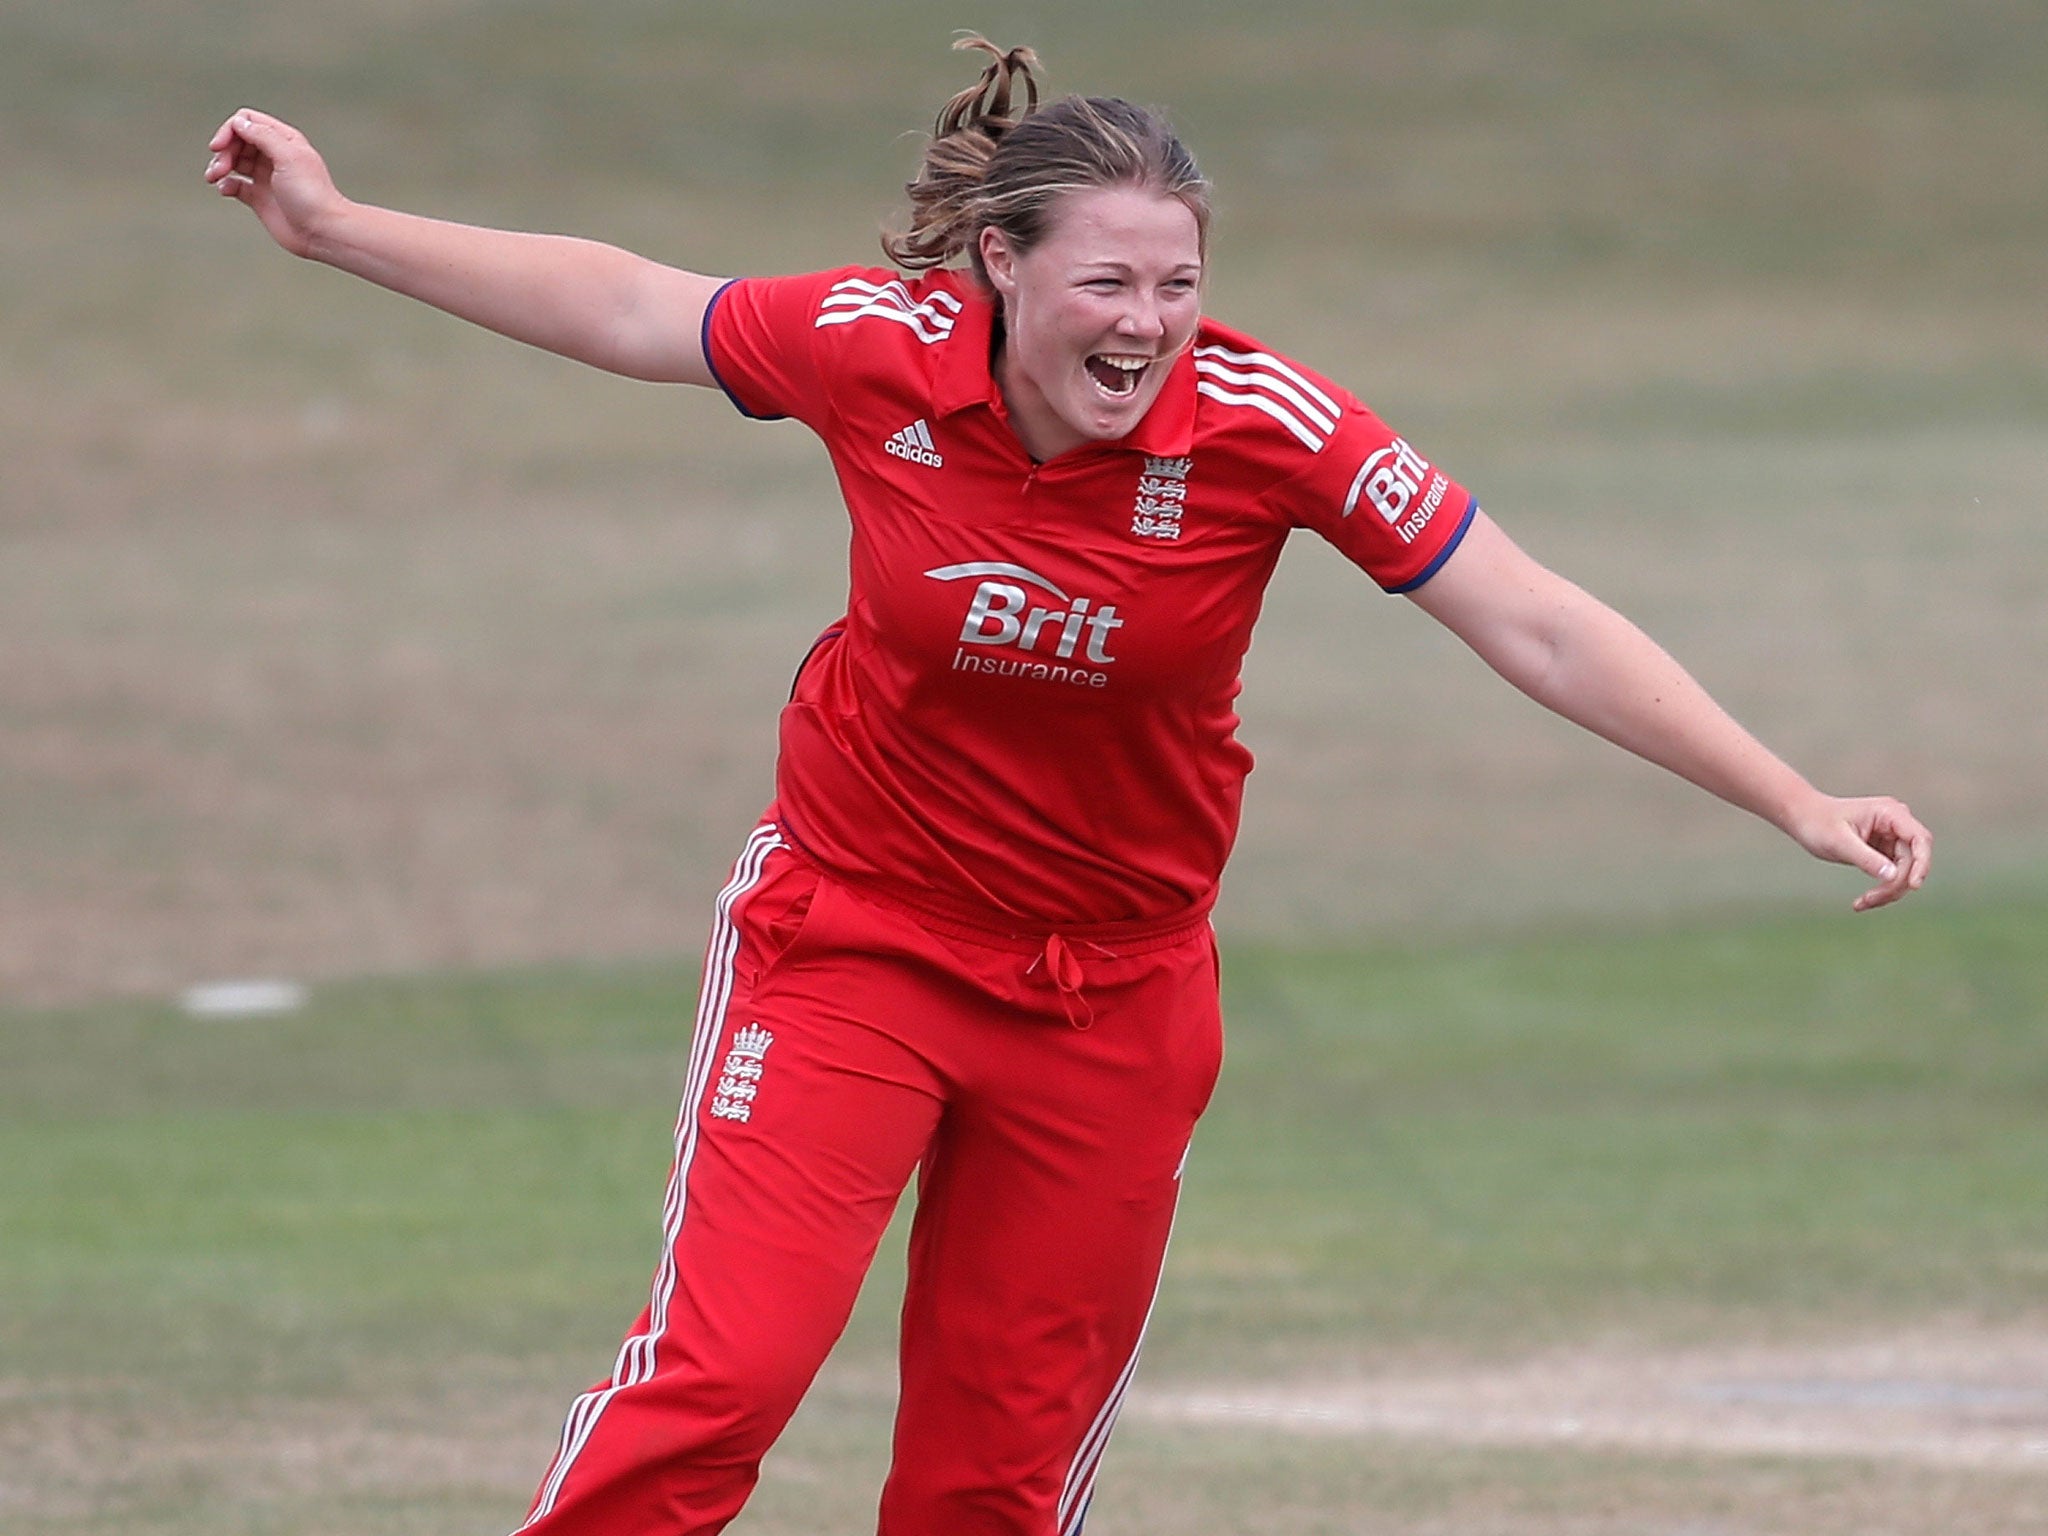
(760, 341)
(1392, 513)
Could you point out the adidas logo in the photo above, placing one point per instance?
(915, 443)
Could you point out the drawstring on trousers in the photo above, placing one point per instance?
(1063, 969)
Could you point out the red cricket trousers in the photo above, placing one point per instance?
(1043, 1090)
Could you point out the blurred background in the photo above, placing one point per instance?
(336, 638)
(1580, 1166)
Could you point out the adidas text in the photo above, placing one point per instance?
(915, 443)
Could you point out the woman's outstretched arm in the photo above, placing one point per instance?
(593, 302)
(1575, 655)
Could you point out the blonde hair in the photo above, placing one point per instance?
(992, 163)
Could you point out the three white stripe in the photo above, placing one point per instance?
(636, 1362)
(1286, 394)
(1080, 1485)
(636, 1358)
(916, 435)
(852, 299)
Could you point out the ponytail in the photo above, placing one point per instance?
(993, 164)
(944, 199)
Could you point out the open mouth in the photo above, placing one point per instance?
(1115, 376)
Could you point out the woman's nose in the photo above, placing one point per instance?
(1142, 320)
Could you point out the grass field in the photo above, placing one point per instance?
(1758, 1208)
(1580, 1167)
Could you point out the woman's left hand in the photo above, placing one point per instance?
(1876, 834)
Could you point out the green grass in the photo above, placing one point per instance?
(464, 1163)
(440, 1190)
(1789, 1125)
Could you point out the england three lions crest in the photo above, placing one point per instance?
(740, 1080)
(1162, 498)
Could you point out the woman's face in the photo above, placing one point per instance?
(1095, 314)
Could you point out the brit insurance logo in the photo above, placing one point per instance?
(1392, 480)
(1011, 631)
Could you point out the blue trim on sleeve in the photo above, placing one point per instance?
(717, 377)
(1429, 570)
(817, 645)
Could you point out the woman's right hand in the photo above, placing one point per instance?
(593, 302)
(268, 165)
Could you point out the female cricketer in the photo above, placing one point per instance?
(969, 939)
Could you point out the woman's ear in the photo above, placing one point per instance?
(999, 261)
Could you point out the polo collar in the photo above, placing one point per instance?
(962, 375)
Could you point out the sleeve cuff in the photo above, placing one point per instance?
(1437, 560)
(711, 362)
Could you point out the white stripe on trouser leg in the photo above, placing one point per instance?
(635, 1362)
(1081, 1476)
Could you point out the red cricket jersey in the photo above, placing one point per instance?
(1026, 718)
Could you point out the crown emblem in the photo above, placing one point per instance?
(751, 1043)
